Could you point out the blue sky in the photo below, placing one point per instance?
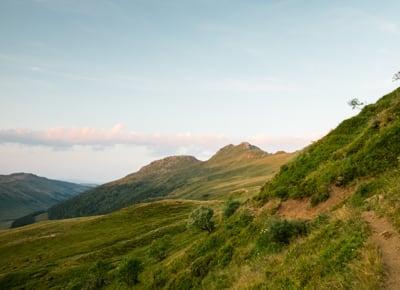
(107, 86)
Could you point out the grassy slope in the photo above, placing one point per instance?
(234, 170)
(242, 253)
(58, 253)
(364, 146)
(64, 254)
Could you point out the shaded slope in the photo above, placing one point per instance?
(57, 253)
(23, 193)
(233, 170)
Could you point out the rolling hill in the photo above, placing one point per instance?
(23, 193)
(233, 171)
(330, 219)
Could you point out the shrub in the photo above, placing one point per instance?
(225, 255)
(205, 247)
(245, 218)
(319, 197)
(158, 248)
(281, 192)
(280, 232)
(97, 276)
(202, 218)
(201, 266)
(129, 271)
(230, 207)
(160, 278)
(363, 191)
(210, 243)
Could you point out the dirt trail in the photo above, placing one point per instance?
(388, 241)
(302, 209)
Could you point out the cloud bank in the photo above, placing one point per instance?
(64, 138)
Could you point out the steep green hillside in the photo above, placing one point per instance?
(361, 147)
(234, 171)
(23, 193)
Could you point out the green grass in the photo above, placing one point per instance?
(90, 252)
(364, 146)
(60, 253)
(381, 194)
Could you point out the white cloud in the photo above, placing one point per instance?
(162, 144)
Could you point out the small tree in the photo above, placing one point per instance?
(129, 271)
(396, 76)
(230, 207)
(202, 218)
(355, 103)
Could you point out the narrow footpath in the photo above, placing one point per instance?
(387, 239)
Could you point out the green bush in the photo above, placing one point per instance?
(129, 271)
(205, 247)
(279, 233)
(201, 218)
(319, 197)
(225, 255)
(230, 207)
(158, 248)
(364, 191)
(96, 277)
(245, 218)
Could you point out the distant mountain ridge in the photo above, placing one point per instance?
(24, 193)
(233, 169)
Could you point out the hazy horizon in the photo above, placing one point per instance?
(94, 90)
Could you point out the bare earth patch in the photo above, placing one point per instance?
(388, 240)
(302, 209)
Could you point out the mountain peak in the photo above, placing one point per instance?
(247, 146)
(244, 150)
(244, 146)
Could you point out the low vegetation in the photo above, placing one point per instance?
(129, 271)
(230, 207)
(150, 247)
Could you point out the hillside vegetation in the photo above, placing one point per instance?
(240, 244)
(248, 249)
(233, 171)
(22, 194)
(362, 147)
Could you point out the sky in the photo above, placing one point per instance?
(91, 90)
